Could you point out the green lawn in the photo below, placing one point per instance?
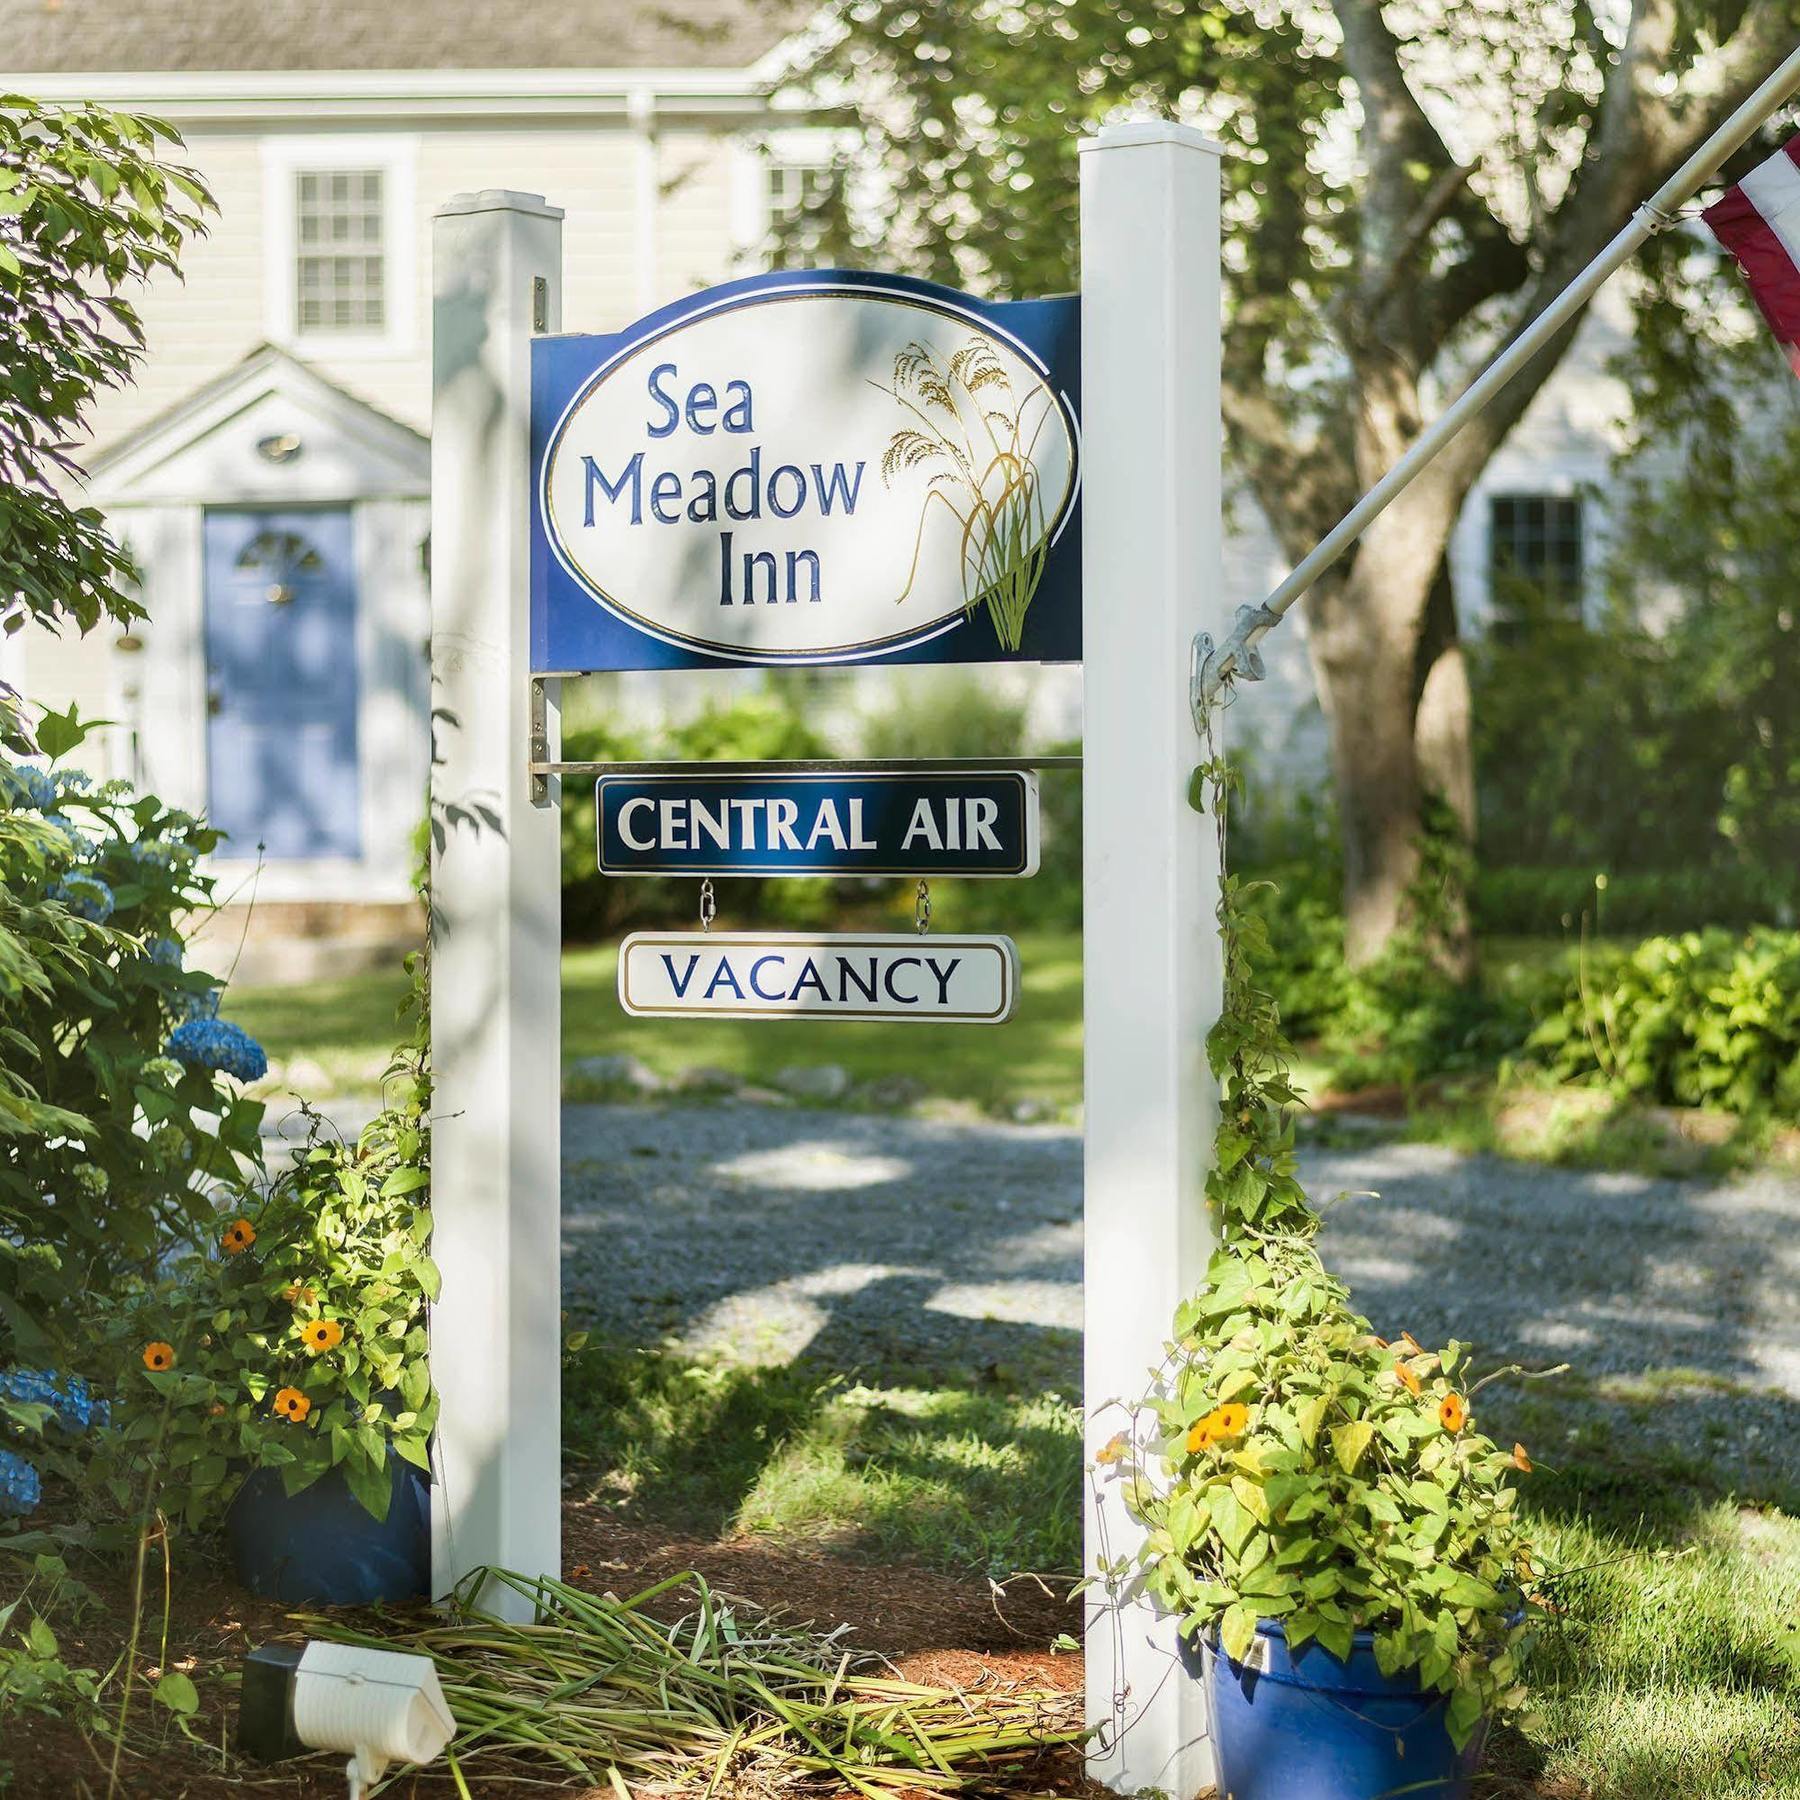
(347, 1029)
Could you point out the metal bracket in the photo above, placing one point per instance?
(539, 760)
(1211, 665)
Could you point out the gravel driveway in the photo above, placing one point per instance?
(897, 1246)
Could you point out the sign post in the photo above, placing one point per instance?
(1151, 578)
(496, 906)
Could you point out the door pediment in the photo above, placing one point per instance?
(271, 431)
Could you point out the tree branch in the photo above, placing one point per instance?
(1400, 144)
(1640, 134)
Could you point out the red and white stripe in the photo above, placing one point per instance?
(1758, 221)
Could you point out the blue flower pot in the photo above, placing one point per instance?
(321, 1547)
(1309, 1727)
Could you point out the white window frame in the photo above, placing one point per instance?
(795, 147)
(284, 159)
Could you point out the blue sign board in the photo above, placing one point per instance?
(848, 822)
(809, 468)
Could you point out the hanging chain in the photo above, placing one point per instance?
(708, 905)
(922, 908)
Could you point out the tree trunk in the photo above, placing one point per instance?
(1395, 695)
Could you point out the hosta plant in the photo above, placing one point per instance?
(1289, 1464)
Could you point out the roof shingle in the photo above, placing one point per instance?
(66, 36)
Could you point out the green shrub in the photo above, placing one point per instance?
(1710, 1018)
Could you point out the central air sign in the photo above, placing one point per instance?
(808, 468)
(784, 975)
(848, 822)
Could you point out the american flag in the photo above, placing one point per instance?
(1758, 221)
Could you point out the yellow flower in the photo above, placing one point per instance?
(320, 1335)
(1200, 1435)
(240, 1234)
(159, 1356)
(1407, 1377)
(1113, 1450)
(1521, 1461)
(292, 1405)
(1229, 1420)
(1453, 1414)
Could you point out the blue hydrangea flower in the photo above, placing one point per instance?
(164, 950)
(20, 1489)
(218, 1044)
(152, 853)
(201, 1006)
(31, 787)
(68, 1395)
(87, 896)
(80, 844)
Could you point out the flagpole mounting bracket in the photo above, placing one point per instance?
(1656, 219)
(1211, 665)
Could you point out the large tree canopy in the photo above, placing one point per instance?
(1407, 186)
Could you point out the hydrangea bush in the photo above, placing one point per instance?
(112, 1134)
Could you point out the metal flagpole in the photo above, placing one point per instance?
(1237, 655)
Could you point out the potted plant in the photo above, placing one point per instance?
(1340, 1543)
(291, 1364)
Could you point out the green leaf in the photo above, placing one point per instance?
(177, 1692)
(1237, 1631)
(1348, 1442)
(41, 1639)
(59, 733)
(369, 1483)
(404, 1181)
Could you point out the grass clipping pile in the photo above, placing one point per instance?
(722, 1700)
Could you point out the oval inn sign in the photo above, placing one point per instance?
(808, 468)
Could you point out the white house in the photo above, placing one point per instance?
(269, 468)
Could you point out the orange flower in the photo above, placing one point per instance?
(1408, 1379)
(320, 1335)
(1229, 1420)
(240, 1234)
(293, 1405)
(1113, 1450)
(1200, 1435)
(1453, 1414)
(1413, 1346)
(1521, 1461)
(159, 1356)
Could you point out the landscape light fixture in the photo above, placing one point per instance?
(379, 1706)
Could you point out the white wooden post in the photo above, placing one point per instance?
(1151, 577)
(496, 912)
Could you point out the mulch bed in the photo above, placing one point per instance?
(934, 1628)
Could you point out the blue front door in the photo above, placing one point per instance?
(281, 683)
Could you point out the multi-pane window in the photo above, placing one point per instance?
(795, 191)
(340, 272)
(1534, 553)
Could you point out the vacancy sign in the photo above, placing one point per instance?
(981, 823)
(783, 975)
(803, 468)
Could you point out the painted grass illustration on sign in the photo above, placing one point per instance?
(969, 418)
